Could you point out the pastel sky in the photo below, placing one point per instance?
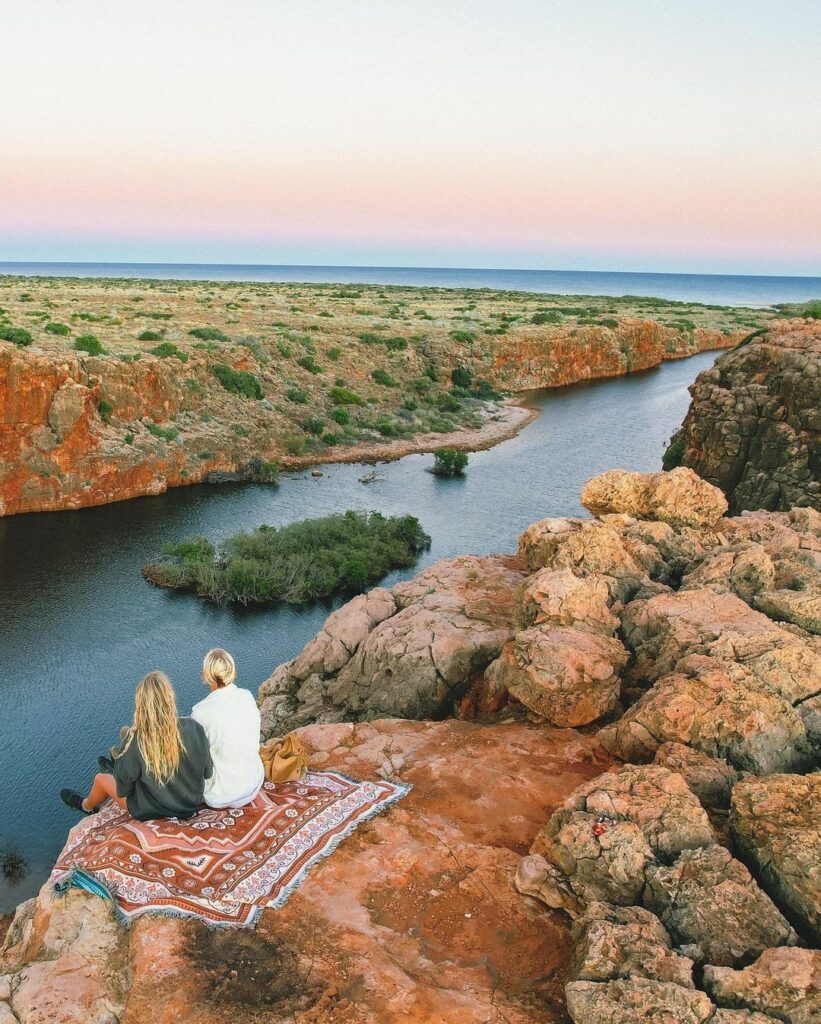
(654, 135)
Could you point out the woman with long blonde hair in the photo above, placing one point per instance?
(162, 767)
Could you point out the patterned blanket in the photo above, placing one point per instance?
(223, 866)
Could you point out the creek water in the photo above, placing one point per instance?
(79, 626)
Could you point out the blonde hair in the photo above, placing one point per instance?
(218, 668)
(156, 727)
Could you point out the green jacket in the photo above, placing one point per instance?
(182, 795)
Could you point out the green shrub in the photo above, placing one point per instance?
(464, 336)
(261, 471)
(310, 364)
(16, 335)
(13, 865)
(334, 354)
(674, 455)
(440, 425)
(485, 391)
(341, 416)
(370, 338)
(330, 439)
(297, 396)
(384, 378)
(168, 350)
(129, 438)
(313, 559)
(396, 344)
(240, 382)
(341, 395)
(612, 323)
(89, 343)
(410, 405)
(313, 425)
(422, 385)
(296, 444)
(164, 433)
(447, 403)
(209, 334)
(150, 336)
(63, 330)
(285, 350)
(552, 316)
(449, 462)
(461, 376)
(105, 409)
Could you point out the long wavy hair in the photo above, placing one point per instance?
(156, 727)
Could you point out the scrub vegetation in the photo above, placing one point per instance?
(312, 559)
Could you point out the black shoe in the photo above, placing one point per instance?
(106, 764)
(71, 798)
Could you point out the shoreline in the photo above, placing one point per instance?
(514, 417)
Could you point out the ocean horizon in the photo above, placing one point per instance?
(710, 289)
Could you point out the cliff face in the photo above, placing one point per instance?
(681, 885)
(58, 452)
(565, 356)
(754, 422)
(78, 431)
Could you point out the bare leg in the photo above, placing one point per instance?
(103, 788)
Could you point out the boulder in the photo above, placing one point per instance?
(784, 983)
(776, 826)
(599, 844)
(721, 710)
(625, 942)
(711, 779)
(680, 497)
(709, 899)
(410, 652)
(560, 596)
(636, 1001)
(801, 607)
(568, 676)
(745, 570)
(592, 547)
(668, 627)
(70, 965)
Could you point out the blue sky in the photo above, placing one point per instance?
(595, 134)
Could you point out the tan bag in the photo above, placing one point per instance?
(284, 760)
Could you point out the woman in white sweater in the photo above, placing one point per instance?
(230, 717)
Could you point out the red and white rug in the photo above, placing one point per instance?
(223, 866)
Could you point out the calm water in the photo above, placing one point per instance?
(720, 289)
(80, 626)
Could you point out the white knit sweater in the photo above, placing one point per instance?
(230, 718)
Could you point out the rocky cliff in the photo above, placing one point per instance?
(754, 424)
(615, 815)
(560, 356)
(95, 409)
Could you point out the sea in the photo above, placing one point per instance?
(710, 289)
